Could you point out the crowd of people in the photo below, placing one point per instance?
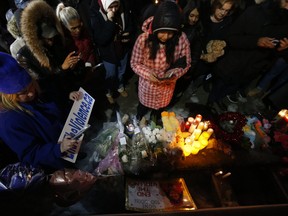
(170, 45)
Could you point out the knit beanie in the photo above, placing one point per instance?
(13, 78)
(167, 17)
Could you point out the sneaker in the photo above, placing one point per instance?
(232, 98)
(122, 92)
(110, 98)
(255, 92)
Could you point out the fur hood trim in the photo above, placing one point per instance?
(33, 15)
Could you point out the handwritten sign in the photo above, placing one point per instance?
(77, 120)
(145, 195)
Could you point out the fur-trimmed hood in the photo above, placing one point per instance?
(33, 15)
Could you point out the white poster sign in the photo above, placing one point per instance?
(77, 121)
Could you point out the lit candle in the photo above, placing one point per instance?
(203, 143)
(210, 131)
(187, 125)
(192, 127)
(200, 126)
(188, 141)
(286, 117)
(194, 150)
(198, 118)
(282, 113)
(187, 150)
(206, 134)
(197, 133)
(281, 120)
(190, 120)
(196, 144)
(206, 124)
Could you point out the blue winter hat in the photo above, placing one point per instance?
(13, 78)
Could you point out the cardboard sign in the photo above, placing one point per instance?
(76, 122)
(158, 195)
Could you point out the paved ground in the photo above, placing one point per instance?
(42, 204)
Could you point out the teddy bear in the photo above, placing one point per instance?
(215, 49)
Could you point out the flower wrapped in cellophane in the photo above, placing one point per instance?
(136, 158)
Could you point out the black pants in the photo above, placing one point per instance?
(143, 110)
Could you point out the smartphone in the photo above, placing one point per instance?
(80, 132)
(276, 43)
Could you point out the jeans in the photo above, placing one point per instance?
(116, 73)
(279, 70)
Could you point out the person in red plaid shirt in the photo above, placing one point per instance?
(160, 56)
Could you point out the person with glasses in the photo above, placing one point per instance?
(78, 40)
(45, 55)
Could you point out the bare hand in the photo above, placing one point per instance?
(283, 44)
(125, 37)
(110, 15)
(153, 78)
(67, 143)
(75, 95)
(266, 42)
(71, 60)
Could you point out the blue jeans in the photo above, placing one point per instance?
(279, 70)
(116, 73)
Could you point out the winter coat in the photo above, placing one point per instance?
(34, 138)
(107, 35)
(34, 14)
(151, 94)
(244, 60)
(44, 62)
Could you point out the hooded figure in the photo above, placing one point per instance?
(45, 56)
(160, 56)
(34, 15)
(167, 17)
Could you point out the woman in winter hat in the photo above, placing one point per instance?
(28, 126)
(160, 56)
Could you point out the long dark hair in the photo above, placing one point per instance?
(190, 6)
(153, 44)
